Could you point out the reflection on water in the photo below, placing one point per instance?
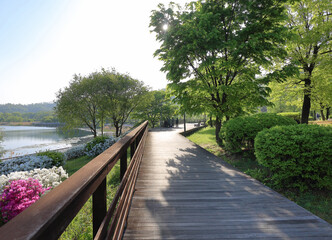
(21, 140)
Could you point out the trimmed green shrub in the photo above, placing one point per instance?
(294, 115)
(94, 142)
(240, 132)
(58, 158)
(298, 156)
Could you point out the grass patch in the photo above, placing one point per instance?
(73, 165)
(206, 139)
(319, 202)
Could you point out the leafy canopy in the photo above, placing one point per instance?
(214, 50)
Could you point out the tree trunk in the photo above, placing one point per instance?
(327, 113)
(117, 131)
(322, 113)
(102, 126)
(117, 128)
(211, 124)
(94, 132)
(306, 101)
(120, 129)
(218, 127)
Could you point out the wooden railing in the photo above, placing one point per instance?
(51, 214)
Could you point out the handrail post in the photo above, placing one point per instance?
(99, 206)
(123, 164)
(132, 149)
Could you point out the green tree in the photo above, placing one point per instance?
(310, 23)
(121, 95)
(285, 96)
(321, 93)
(214, 50)
(79, 104)
(99, 96)
(152, 107)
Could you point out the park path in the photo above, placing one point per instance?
(185, 192)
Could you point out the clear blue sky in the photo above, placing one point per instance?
(43, 43)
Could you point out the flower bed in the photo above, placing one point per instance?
(98, 148)
(19, 195)
(23, 180)
(50, 177)
(25, 163)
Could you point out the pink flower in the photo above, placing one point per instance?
(19, 195)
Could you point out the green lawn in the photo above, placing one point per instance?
(206, 139)
(318, 202)
(73, 165)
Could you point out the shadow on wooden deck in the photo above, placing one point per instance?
(185, 192)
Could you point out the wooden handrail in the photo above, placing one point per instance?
(51, 214)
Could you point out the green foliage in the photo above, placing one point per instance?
(240, 132)
(29, 108)
(213, 52)
(294, 115)
(298, 156)
(59, 159)
(121, 95)
(154, 107)
(45, 117)
(309, 49)
(94, 142)
(91, 99)
(211, 122)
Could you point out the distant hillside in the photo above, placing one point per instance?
(29, 108)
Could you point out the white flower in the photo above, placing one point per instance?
(47, 177)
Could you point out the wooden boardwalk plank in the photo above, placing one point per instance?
(184, 192)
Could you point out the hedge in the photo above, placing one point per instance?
(294, 115)
(240, 132)
(298, 156)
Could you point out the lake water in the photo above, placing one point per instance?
(22, 140)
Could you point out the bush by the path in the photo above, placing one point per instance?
(59, 159)
(298, 156)
(240, 132)
(294, 115)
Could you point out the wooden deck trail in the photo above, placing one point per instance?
(184, 192)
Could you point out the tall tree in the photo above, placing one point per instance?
(322, 93)
(79, 104)
(310, 22)
(213, 50)
(122, 94)
(99, 96)
(155, 107)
